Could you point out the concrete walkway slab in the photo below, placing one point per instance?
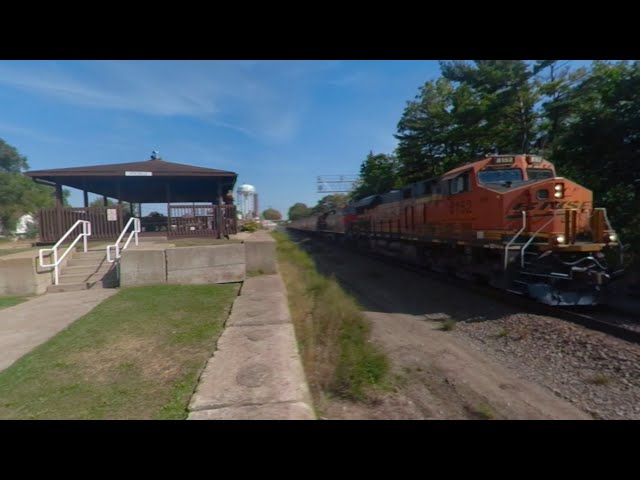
(271, 411)
(25, 326)
(256, 372)
(269, 309)
(263, 284)
(253, 365)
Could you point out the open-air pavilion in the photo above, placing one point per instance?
(150, 181)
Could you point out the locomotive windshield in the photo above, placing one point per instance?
(500, 176)
(539, 173)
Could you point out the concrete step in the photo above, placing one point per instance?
(84, 262)
(158, 238)
(69, 287)
(87, 269)
(90, 254)
(73, 287)
(81, 277)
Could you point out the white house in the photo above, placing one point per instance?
(21, 226)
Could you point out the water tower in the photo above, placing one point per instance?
(248, 201)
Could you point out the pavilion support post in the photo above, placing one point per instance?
(168, 192)
(105, 201)
(220, 216)
(59, 204)
(86, 198)
(59, 198)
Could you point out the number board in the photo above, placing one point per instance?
(503, 160)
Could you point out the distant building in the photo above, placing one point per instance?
(21, 226)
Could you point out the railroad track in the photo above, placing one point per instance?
(589, 317)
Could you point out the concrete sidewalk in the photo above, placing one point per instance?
(256, 372)
(25, 326)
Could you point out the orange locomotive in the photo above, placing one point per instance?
(507, 220)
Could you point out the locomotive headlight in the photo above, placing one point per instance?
(613, 237)
(558, 194)
(560, 238)
(559, 188)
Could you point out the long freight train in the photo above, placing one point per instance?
(506, 220)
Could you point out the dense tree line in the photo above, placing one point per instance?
(325, 204)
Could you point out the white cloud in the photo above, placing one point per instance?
(257, 99)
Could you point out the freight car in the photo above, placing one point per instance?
(506, 220)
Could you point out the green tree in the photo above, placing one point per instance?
(19, 195)
(99, 203)
(599, 142)
(65, 196)
(299, 210)
(425, 147)
(474, 109)
(330, 202)
(10, 159)
(505, 94)
(556, 82)
(271, 214)
(378, 174)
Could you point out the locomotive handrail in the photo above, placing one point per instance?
(506, 249)
(526, 245)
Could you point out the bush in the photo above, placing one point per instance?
(250, 226)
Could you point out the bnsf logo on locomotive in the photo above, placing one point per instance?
(551, 205)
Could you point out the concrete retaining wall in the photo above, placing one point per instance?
(143, 267)
(153, 264)
(208, 264)
(260, 253)
(21, 274)
(198, 265)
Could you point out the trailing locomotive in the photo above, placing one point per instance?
(506, 220)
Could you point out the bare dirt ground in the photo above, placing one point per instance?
(468, 373)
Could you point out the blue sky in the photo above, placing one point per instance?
(278, 124)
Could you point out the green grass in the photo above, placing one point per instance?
(599, 379)
(10, 301)
(137, 355)
(448, 325)
(480, 412)
(502, 333)
(332, 332)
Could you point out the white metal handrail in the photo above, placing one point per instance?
(132, 234)
(86, 232)
(506, 249)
